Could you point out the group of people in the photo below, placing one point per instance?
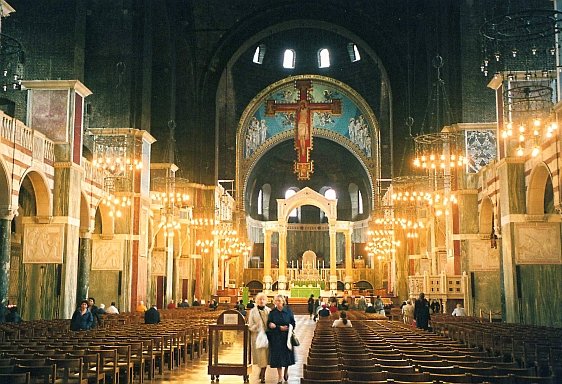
(89, 316)
(421, 310)
(278, 324)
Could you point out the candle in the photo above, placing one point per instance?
(322, 263)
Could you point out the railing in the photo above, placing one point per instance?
(16, 132)
(91, 173)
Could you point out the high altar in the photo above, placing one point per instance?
(307, 280)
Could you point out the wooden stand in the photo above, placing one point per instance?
(229, 330)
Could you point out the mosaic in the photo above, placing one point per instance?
(481, 149)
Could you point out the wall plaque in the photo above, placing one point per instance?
(537, 243)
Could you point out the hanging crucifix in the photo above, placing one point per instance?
(303, 110)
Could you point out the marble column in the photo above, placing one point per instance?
(84, 265)
(267, 280)
(511, 173)
(348, 259)
(282, 279)
(5, 254)
(333, 262)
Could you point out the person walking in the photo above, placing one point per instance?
(421, 312)
(279, 323)
(310, 306)
(257, 323)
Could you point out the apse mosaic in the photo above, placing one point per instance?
(480, 149)
(351, 123)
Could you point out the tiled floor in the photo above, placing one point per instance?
(197, 371)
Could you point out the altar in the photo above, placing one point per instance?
(305, 292)
(307, 280)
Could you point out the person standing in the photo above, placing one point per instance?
(310, 304)
(82, 319)
(257, 322)
(408, 312)
(95, 312)
(278, 322)
(421, 312)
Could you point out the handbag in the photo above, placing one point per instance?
(294, 340)
(261, 340)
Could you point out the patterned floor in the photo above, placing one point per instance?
(197, 371)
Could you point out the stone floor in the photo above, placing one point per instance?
(197, 371)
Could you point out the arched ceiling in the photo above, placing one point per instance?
(334, 166)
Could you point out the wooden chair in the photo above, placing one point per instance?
(108, 363)
(92, 370)
(138, 359)
(69, 371)
(451, 377)
(46, 374)
(409, 377)
(15, 378)
(366, 376)
(124, 362)
(5, 369)
(323, 375)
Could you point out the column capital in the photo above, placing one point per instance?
(8, 213)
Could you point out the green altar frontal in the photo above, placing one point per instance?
(305, 291)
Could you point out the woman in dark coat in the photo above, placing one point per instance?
(310, 306)
(421, 312)
(278, 324)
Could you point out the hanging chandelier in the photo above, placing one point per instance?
(520, 50)
(439, 149)
(171, 196)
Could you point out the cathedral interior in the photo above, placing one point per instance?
(179, 149)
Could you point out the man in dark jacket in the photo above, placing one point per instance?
(421, 312)
(152, 316)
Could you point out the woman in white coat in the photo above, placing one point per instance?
(257, 320)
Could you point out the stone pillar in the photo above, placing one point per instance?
(282, 279)
(5, 253)
(267, 280)
(333, 273)
(511, 174)
(348, 259)
(84, 265)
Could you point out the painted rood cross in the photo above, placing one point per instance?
(303, 110)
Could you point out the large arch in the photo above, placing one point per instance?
(306, 196)
(43, 195)
(5, 188)
(535, 192)
(245, 164)
(485, 225)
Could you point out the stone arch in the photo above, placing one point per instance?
(5, 189)
(107, 221)
(536, 189)
(43, 195)
(306, 196)
(245, 166)
(86, 223)
(486, 219)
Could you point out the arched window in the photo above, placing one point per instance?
(354, 197)
(264, 196)
(289, 59)
(353, 52)
(323, 58)
(330, 194)
(259, 54)
(295, 213)
(360, 202)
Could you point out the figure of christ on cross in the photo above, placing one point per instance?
(303, 110)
